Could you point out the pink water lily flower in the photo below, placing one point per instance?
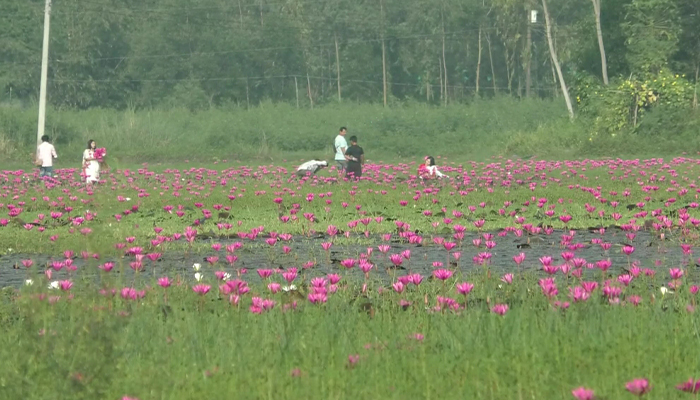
(201, 289)
(500, 309)
(464, 288)
(690, 386)
(638, 387)
(442, 274)
(583, 394)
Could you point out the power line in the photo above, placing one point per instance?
(299, 76)
(259, 49)
(232, 7)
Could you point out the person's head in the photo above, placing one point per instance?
(429, 161)
(343, 131)
(91, 144)
(45, 138)
(353, 139)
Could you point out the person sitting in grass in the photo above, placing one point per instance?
(311, 167)
(429, 170)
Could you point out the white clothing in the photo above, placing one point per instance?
(91, 169)
(46, 153)
(434, 171)
(340, 144)
(312, 166)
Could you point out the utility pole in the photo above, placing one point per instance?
(528, 68)
(44, 73)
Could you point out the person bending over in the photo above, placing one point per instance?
(311, 167)
(429, 170)
(355, 156)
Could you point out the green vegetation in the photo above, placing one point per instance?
(106, 333)
(163, 80)
(274, 132)
(194, 347)
(254, 206)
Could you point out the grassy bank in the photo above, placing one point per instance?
(273, 132)
(175, 344)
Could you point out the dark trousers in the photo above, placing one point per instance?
(354, 170)
(305, 172)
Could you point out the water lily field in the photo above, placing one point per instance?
(514, 279)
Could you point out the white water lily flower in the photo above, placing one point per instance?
(289, 288)
(28, 282)
(128, 199)
(198, 276)
(197, 266)
(53, 285)
(227, 276)
(663, 290)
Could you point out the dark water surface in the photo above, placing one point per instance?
(257, 254)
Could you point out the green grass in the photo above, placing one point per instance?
(93, 347)
(274, 132)
(251, 210)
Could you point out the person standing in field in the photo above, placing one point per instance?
(341, 147)
(91, 166)
(355, 156)
(45, 153)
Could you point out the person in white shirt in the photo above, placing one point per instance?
(45, 153)
(311, 167)
(340, 146)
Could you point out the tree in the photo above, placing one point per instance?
(555, 60)
(688, 57)
(601, 46)
(652, 28)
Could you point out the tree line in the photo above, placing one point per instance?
(596, 54)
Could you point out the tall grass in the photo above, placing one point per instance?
(194, 347)
(277, 131)
(271, 130)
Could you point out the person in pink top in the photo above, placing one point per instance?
(45, 153)
(428, 170)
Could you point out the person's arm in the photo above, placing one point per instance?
(440, 174)
(53, 152)
(362, 159)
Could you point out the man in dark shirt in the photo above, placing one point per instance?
(356, 158)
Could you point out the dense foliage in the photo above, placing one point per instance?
(198, 55)
(159, 52)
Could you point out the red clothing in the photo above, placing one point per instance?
(423, 171)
